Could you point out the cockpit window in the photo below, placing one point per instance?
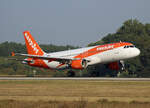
(132, 46)
(129, 46)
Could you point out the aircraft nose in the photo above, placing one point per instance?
(137, 52)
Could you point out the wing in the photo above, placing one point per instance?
(60, 59)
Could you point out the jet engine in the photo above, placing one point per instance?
(79, 64)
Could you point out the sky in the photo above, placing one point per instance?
(67, 22)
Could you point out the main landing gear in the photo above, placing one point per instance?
(71, 73)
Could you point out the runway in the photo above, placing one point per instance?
(74, 78)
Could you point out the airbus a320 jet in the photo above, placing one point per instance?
(80, 58)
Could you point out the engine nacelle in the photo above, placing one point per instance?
(119, 65)
(79, 64)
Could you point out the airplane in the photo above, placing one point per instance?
(112, 54)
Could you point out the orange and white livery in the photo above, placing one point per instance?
(77, 58)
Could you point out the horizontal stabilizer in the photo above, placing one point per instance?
(16, 59)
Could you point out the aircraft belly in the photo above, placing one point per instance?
(56, 65)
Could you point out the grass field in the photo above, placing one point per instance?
(74, 94)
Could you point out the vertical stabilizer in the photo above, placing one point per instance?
(32, 47)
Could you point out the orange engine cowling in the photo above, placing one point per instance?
(79, 64)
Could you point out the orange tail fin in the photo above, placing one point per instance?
(31, 45)
(12, 54)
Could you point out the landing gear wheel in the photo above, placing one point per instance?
(71, 73)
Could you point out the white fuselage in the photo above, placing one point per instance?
(107, 56)
(77, 58)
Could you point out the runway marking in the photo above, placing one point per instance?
(74, 78)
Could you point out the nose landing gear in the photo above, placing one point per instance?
(122, 65)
